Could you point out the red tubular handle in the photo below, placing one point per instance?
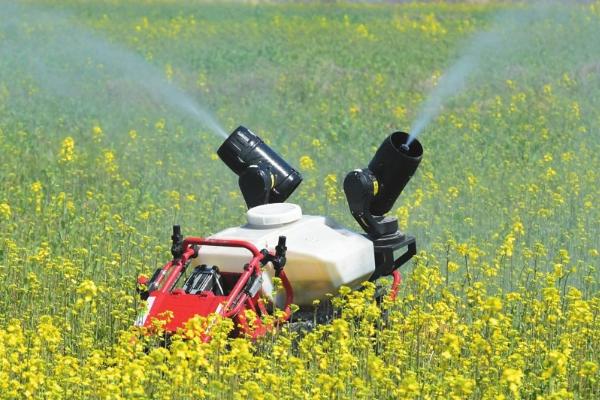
(397, 280)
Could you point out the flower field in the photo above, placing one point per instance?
(102, 150)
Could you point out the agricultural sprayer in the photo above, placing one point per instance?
(233, 271)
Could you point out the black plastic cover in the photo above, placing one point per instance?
(243, 149)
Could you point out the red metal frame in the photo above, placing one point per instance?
(174, 307)
(234, 305)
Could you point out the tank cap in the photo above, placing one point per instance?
(274, 214)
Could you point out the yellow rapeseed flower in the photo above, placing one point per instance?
(67, 150)
(97, 133)
(88, 290)
(307, 163)
(588, 368)
(5, 212)
(513, 377)
(331, 188)
(362, 30)
(109, 162)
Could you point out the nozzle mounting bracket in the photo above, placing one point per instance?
(384, 253)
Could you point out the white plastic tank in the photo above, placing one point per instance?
(321, 254)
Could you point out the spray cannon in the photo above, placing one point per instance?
(371, 193)
(264, 177)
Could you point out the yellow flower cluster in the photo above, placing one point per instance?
(421, 346)
(67, 150)
(5, 211)
(307, 163)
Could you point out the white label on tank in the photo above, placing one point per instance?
(142, 316)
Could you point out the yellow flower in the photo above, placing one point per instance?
(555, 364)
(452, 266)
(399, 112)
(362, 30)
(513, 296)
(49, 333)
(462, 249)
(36, 188)
(518, 227)
(160, 124)
(472, 180)
(331, 188)
(493, 304)
(567, 80)
(306, 163)
(576, 110)
(174, 196)
(5, 210)
(97, 133)
(513, 377)
(109, 161)
(87, 289)
(453, 192)
(432, 25)
(67, 150)
(508, 246)
(451, 343)
(402, 213)
(588, 368)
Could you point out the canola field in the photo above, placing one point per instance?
(102, 150)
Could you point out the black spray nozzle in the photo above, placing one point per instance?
(264, 177)
(279, 258)
(371, 192)
(393, 165)
(177, 240)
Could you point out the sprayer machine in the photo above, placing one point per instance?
(233, 271)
